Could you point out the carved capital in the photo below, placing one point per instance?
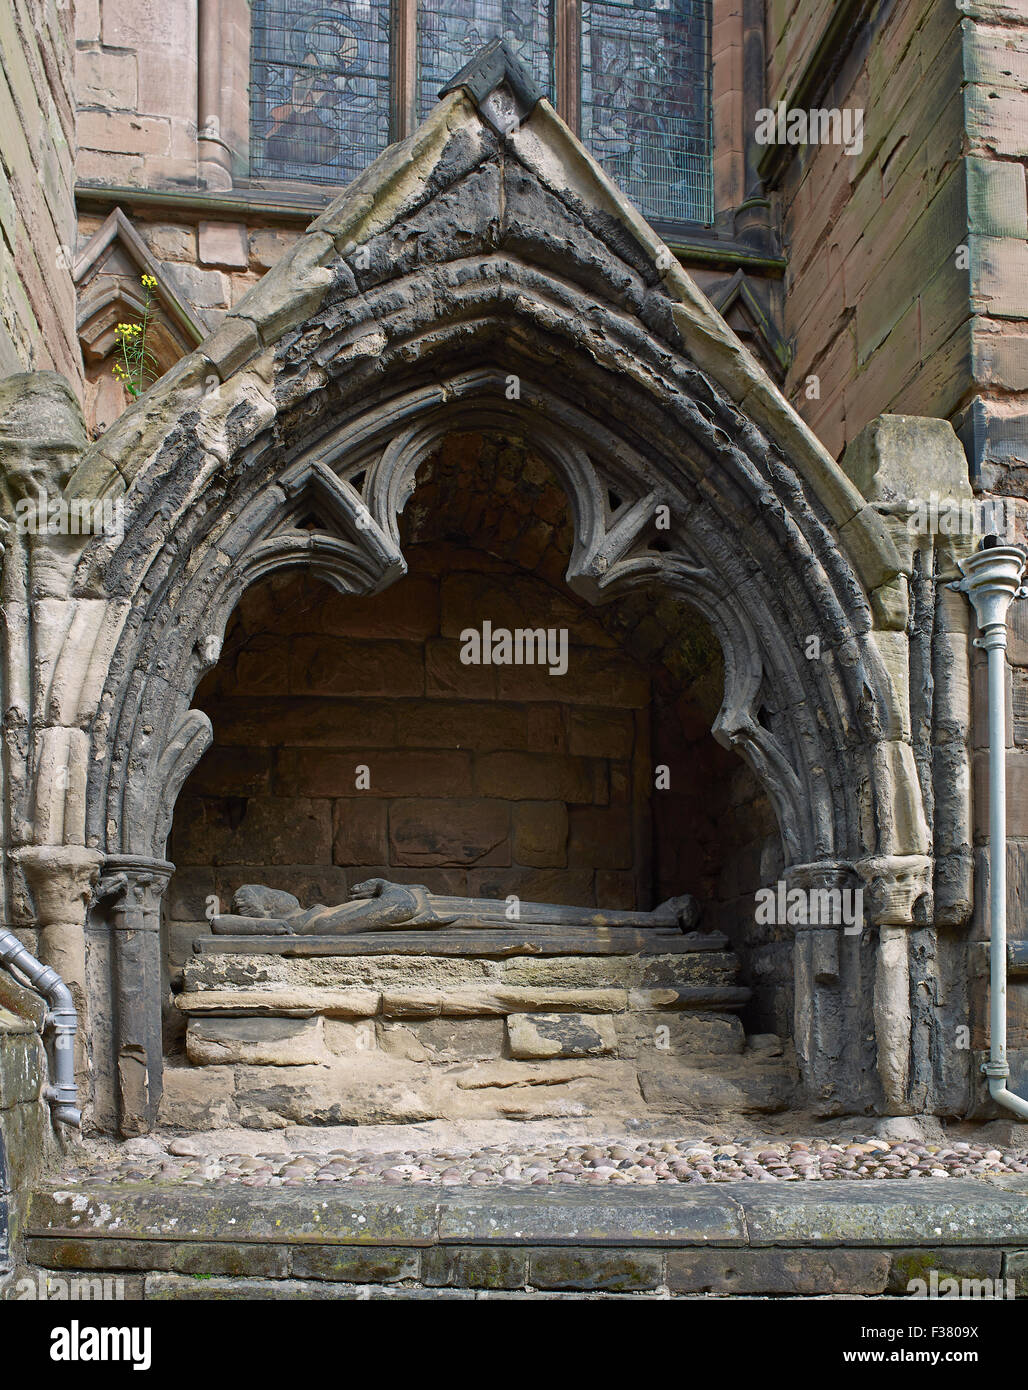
(899, 889)
(60, 879)
(42, 434)
(825, 874)
(132, 887)
(833, 891)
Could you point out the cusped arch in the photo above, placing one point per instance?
(468, 280)
(807, 757)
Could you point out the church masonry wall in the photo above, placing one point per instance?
(995, 67)
(37, 218)
(37, 332)
(209, 262)
(27, 1141)
(903, 294)
(907, 261)
(138, 71)
(876, 304)
(136, 84)
(483, 780)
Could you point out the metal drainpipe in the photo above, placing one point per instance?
(63, 1094)
(992, 580)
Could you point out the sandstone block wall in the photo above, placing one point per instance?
(136, 81)
(401, 1038)
(206, 264)
(793, 29)
(876, 303)
(212, 261)
(37, 212)
(37, 332)
(26, 1138)
(907, 262)
(995, 63)
(483, 780)
(729, 104)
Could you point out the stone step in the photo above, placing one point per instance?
(742, 1238)
(216, 1040)
(459, 1003)
(312, 1038)
(402, 986)
(387, 973)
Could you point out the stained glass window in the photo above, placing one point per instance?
(646, 102)
(321, 99)
(319, 88)
(450, 32)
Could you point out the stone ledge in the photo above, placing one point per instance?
(960, 1213)
(796, 1271)
(492, 942)
(457, 1003)
(178, 1286)
(709, 972)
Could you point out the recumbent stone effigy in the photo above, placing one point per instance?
(378, 905)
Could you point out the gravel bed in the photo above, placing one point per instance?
(594, 1164)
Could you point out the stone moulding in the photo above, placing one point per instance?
(470, 280)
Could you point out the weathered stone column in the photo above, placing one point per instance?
(60, 879)
(829, 968)
(130, 894)
(899, 896)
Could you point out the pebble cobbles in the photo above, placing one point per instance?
(593, 1164)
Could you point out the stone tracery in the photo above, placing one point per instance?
(486, 262)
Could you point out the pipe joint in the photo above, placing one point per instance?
(62, 1017)
(63, 1108)
(992, 579)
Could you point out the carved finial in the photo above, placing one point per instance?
(500, 85)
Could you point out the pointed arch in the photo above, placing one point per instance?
(484, 279)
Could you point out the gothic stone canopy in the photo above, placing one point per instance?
(484, 274)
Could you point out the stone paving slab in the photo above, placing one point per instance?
(954, 1212)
